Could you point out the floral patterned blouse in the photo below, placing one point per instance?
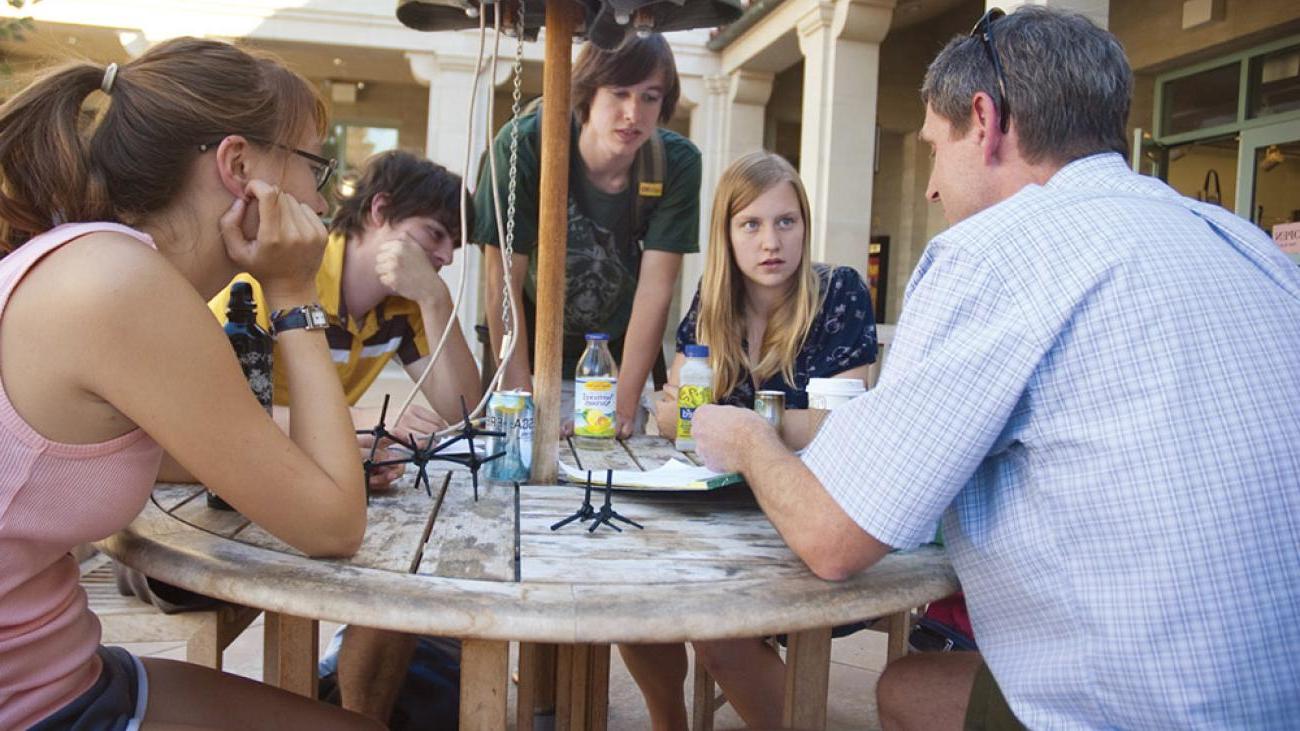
(842, 336)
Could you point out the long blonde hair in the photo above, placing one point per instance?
(720, 324)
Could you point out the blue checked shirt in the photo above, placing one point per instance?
(1096, 385)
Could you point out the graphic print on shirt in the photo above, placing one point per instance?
(597, 275)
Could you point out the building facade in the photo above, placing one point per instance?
(830, 84)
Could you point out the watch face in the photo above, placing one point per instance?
(316, 316)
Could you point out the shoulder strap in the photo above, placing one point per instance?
(648, 173)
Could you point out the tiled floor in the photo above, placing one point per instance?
(856, 663)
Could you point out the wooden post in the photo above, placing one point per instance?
(807, 679)
(484, 682)
(552, 236)
(899, 626)
(536, 695)
(582, 688)
(289, 653)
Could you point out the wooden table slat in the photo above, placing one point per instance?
(616, 457)
(169, 495)
(197, 513)
(472, 540)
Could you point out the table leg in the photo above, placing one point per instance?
(484, 684)
(582, 688)
(536, 696)
(289, 653)
(807, 679)
(898, 627)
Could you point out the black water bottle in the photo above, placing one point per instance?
(253, 347)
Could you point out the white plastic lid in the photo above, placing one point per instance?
(837, 386)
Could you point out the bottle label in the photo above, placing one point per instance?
(593, 407)
(257, 369)
(690, 398)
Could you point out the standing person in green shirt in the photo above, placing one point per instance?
(627, 233)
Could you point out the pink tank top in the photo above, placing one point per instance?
(54, 496)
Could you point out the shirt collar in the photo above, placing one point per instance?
(1087, 171)
(329, 279)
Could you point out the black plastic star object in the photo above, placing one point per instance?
(421, 456)
(584, 513)
(606, 514)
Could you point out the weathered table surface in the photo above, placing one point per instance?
(706, 566)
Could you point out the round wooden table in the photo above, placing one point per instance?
(706, 566)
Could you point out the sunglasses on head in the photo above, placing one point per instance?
(983, 30)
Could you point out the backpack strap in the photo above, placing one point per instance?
(648, 173)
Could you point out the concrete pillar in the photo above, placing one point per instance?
(747, 93)
(450, 79)
(707, 131)
(1097, 10)
(840, 42)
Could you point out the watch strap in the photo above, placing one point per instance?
(303, 317)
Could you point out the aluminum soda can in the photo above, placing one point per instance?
(771, 406)
(511, 412)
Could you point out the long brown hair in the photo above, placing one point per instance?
(632, 63)
(721, 322)
(130, 160)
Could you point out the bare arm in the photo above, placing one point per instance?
(455, 375)
(807, 517)
(519, 372)
(404, 267)
(193, 399)
(666, 400)
(643, 342)
(800, 425)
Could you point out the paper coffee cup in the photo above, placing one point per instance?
(829, 393)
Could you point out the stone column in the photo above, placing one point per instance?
(1096, 10)
(708, 121)
(746, 110)
(840, 42)
(450, 80)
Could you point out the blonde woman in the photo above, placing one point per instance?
(771, 317)
(772, 320)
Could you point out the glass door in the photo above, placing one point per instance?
(1268, 173)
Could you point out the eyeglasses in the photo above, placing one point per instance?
(983, 30)
(321, 167)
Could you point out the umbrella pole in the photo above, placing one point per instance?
(553, 226)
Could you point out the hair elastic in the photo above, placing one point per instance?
(110, 75)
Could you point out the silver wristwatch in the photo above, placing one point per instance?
(306, 317)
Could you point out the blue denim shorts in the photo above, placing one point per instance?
(116, 702)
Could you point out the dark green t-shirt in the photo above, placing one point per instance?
(603, 254)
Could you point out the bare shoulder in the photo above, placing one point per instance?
(105, 271)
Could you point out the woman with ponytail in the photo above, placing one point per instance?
(772, 319)
(202, 162)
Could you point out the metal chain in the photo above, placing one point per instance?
(514, 166)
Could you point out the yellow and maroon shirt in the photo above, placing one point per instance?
(359, 349)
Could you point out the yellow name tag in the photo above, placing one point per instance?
(651, 190)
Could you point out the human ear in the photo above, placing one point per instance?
(233, 164)
(377, 206)
(985, 120)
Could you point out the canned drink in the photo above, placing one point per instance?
(511, 412)
(771, 406)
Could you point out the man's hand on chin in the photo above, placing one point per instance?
(726, 437)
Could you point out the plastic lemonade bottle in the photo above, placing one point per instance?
(596, 383)
(696, 390)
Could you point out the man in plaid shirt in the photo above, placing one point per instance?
(1094, 384)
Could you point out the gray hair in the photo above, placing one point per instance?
(1068, 83)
